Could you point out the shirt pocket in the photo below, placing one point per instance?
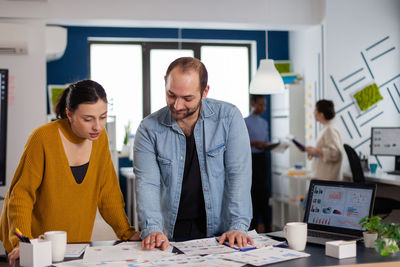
(215, 158)
(165, 166)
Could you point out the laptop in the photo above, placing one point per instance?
(334, 209)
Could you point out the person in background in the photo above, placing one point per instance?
(257, 127)
(192, 164)
(65, 174)
(328, 152)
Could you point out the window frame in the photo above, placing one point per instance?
(194, 45)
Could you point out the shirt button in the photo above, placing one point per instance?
(203, 169)
(181, 158)
(205, 189)
(209, 207)
(200, 149)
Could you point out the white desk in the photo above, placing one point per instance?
(130, 195)
(380, 177)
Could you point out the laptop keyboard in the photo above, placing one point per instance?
(329, 236)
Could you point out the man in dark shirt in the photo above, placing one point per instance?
(192, 164)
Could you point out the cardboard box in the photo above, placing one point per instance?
(35, 254)
(341, 249)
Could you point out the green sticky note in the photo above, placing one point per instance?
(368, 96)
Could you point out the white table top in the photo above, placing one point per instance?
(127, 172)
(381, 177)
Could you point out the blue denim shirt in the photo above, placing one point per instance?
(223, 149)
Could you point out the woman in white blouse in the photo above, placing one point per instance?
(328, 153)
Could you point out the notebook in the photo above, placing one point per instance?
(334, 209)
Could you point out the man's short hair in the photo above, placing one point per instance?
(187, 64)
(254, 98)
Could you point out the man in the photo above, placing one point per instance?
(192, 164)
(259, 138)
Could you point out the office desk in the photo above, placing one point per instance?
(128, 173)
(318, 258)
(378, 177)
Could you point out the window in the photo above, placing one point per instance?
(132, 74)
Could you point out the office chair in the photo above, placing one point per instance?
(382, 205)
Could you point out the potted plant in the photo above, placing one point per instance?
(125, 146)
(373, 227)
(389, 237)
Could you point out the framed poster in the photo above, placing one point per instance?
(54, 92)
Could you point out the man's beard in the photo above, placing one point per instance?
(183, 113)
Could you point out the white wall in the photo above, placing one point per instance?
(27, 93)
(306, 56)
(163, 13)
(351, 27)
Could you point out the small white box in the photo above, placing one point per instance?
(341, 249)
(35, 254)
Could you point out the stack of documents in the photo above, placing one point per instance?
(196, 253)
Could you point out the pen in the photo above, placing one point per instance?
(21, 237)
(238, 248)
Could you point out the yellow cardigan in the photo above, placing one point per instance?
(44, 195)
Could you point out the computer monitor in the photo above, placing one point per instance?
(385, 141)
(3, 124)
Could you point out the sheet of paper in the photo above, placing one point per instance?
(265, 255)
(75, 250)
(195, 261)
(281, 147)
(204, 246)
(132, 251)
(81, 263)
(263, 240)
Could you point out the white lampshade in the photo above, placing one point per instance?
(267, 80)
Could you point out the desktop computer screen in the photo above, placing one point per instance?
(3, 123)
(385, 141)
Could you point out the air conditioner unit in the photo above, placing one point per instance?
(56, 42)
(13, 39)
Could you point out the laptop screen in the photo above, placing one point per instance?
(338, 206)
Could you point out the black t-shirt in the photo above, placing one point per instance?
(191, 205)
(79, 172)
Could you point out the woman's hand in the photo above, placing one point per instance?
(313, 152)
(13, 256)
(135, 237)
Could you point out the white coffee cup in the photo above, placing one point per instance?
(58, 244)
(296, 235)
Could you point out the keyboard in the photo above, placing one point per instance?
(329, 236)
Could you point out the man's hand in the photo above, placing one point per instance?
(155, 240)
(135, 237)
(13, 256)
(259, 144)
(240, 238)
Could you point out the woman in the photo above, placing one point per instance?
(65, 174)
(328, 153)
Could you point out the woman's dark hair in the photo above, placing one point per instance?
(85, 91)
(327, 108)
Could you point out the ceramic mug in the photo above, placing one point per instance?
(296, 235)
(58, 244)
(373, 167)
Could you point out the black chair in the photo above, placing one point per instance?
(382, 205)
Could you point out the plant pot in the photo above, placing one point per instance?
(369, 239)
